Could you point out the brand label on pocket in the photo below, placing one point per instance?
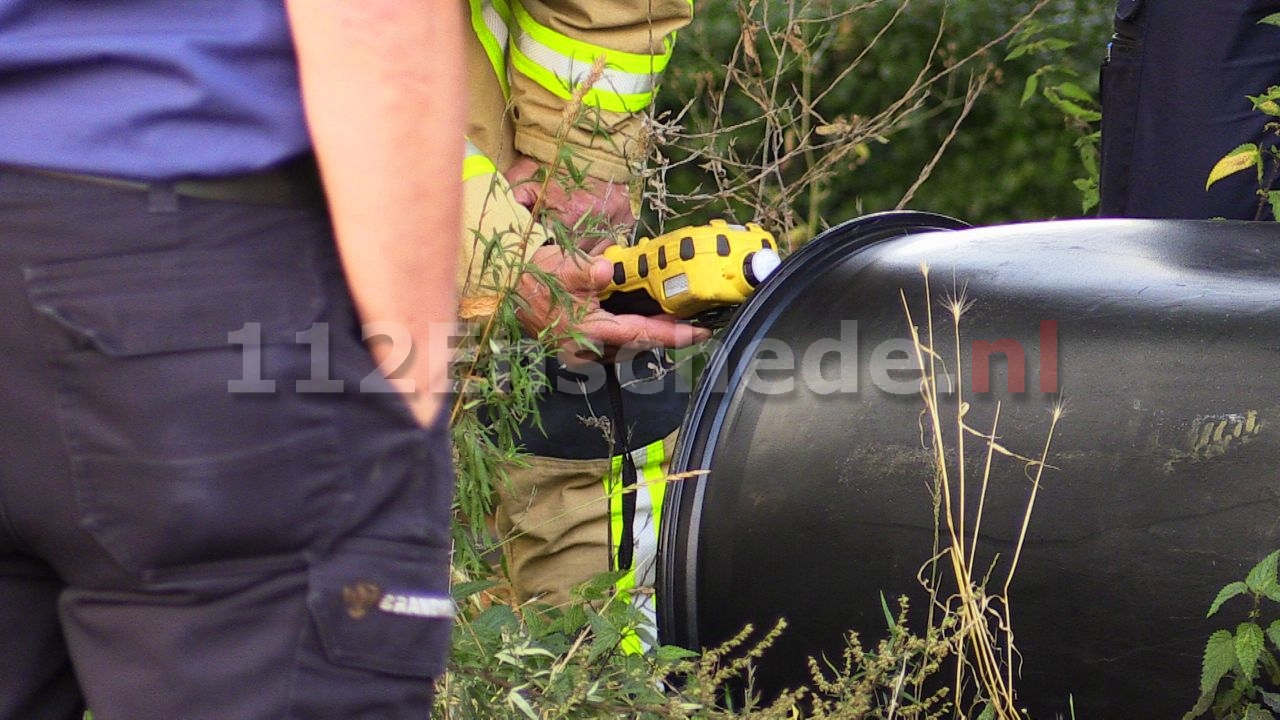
(423, 606)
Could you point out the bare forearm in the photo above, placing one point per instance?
(383, 88)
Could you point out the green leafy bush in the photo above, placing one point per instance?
(1240, 665)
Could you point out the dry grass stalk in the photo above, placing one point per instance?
(804, 143)
(984, 638)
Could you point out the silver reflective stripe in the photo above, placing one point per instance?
(572, 72)
(497, 28)
(644, 530)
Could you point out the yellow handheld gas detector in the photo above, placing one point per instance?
(696, 273)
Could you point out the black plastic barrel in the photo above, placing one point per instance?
(1162, 338)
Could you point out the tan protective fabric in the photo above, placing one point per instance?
(607, 145)
(554, 516)
(553, 513)
(494, 224)
(487, 127)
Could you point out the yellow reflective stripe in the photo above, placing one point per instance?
(644, 526)
(613, 491)
(633, 63)
(476, 163)
(656, 478)
(649, 462)
(490, 21)
(650, 493)
(596, 97)
(538, 74)
(630, 641)
(560, 63)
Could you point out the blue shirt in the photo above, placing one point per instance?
(148, 89)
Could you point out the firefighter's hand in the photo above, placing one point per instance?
(583, 278)
(605, 205)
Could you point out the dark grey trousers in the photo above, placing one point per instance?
(186, 531)
(1174, 101)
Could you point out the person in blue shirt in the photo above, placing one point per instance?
(1174, 98)
(213, 502)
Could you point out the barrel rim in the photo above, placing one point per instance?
(678, 544)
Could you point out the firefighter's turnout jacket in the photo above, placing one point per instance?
(526, 60)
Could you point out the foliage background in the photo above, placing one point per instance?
(1009, 161)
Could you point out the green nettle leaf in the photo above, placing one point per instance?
(1225, 594)
(1273, 198)
(1272, 19)
(607, 637)
(464, 590)
(1262, 577)
(1089, 195)
(1202, 706)
(672, 654)
(988, 713)
(1256, 712)
(523, 652)
(1219, 659)
(1272, 700)
(1031, 30)
(516, 700)
(1268, 102)
(494, 618)
(1273, 632)
(1267, 106)
(1249, 643)
(1242, 158)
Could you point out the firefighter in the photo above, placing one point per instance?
(566, 516)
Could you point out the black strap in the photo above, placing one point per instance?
(654, 409)
(627, 542)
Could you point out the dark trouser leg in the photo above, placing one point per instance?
(36, 680)
(231, 544)
(1174, 102)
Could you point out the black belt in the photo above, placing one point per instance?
(294, 184)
